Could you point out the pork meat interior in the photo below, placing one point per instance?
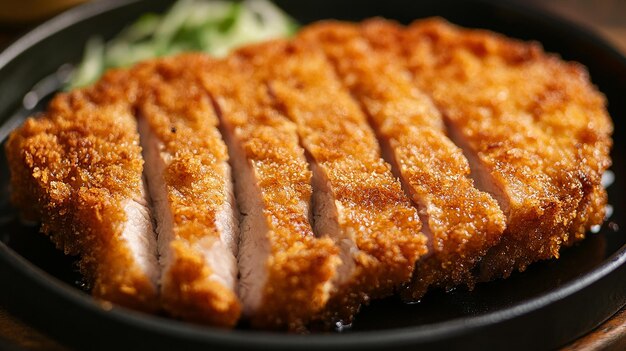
(367, 159)
(190, 184)
(78, 169)
(461, 221)
(359, 204)
(528, 136)
(286, 271)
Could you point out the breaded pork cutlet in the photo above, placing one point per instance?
(499, 149)
(286, 271)
(357, 201)
(189, 180)
(78, 170)
(462, 223)
(535, 131)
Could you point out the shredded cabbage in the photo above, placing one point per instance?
(211, 26)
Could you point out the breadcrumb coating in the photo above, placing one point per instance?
(533, 122)
(297, 270)
(500, 146)
(372, 210)
(75, 168)
(462, 221)
(195, 284)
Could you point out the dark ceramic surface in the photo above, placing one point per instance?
(550, 304)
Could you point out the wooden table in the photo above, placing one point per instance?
(607, 17)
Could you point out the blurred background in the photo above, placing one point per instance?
(24, 12)
(607, 17)
(17, 16)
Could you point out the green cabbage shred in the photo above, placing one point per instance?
(211, 26)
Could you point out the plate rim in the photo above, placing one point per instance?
(371, 339)
(362, 340)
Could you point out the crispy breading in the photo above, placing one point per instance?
(189, 181)
(372, 211)
(461, 221)
(542, 161)
(468, 118)
(292, 277)
(78, 168)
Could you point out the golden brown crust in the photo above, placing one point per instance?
(488, 87)
(535, 124)
(299, 266)
(73, 168)
(191, 295)
(463, 222)
(373, 210)
(180, 114)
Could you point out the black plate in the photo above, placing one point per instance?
(547, 306)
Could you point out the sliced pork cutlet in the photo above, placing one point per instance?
(286, 272)
(78, 169)
(357, 201)
(190, 184)
(461, 221)
(543, 169)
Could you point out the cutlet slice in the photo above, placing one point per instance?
(462, 222)
(286, 271)
(357, 201)
(547, 185)
(564, 105)
(78, 169)
(190, 184)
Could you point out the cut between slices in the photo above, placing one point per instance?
(461, 221)
(190, 184)
(477, 127)
(358, 203)
(78, 169)
(482, 83)
(286, 271)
